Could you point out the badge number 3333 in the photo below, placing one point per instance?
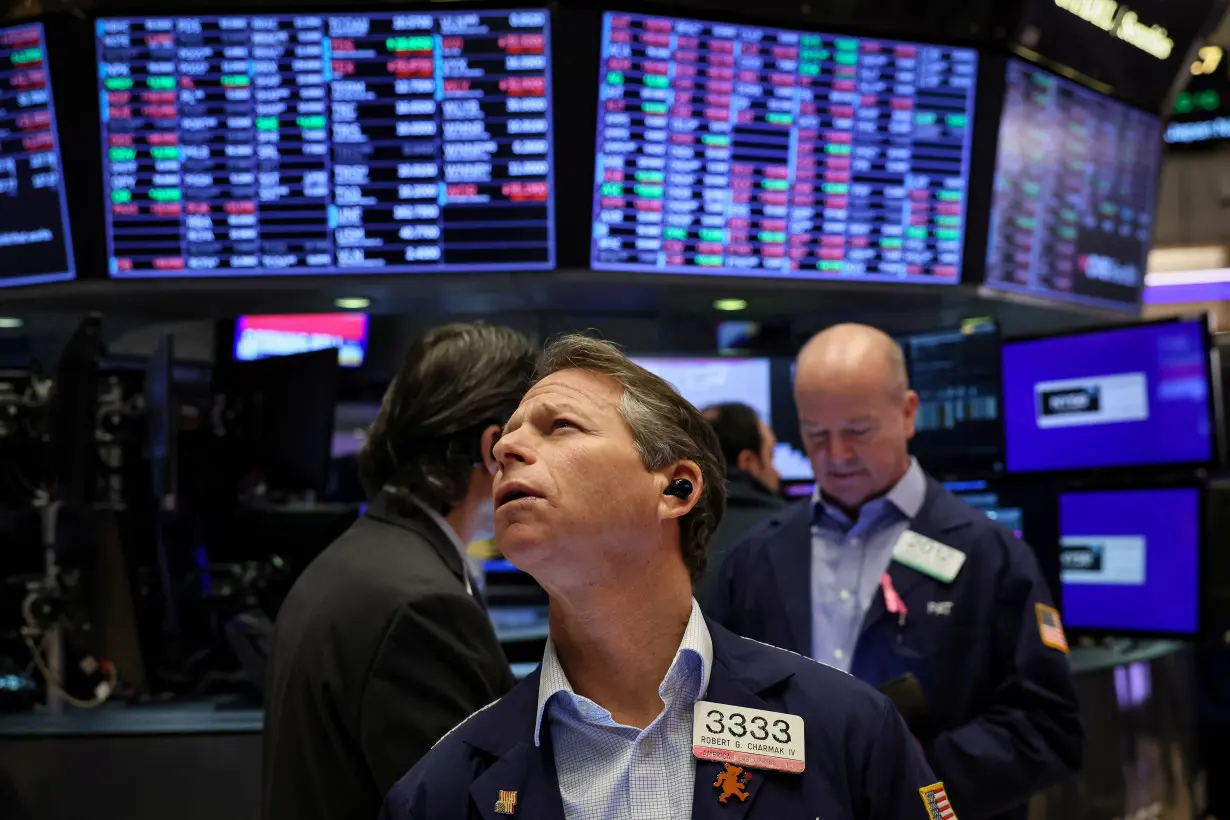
(748, 737)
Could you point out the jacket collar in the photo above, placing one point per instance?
(407, 513)
(744, 490)
(742, 675)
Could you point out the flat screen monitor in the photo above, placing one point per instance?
(1075, 189)
(35, 242)
(956, 375)
(1127, 397)
(258, 337)
(753, 151)
(705, 382)
(1131, 560)
(392, 142)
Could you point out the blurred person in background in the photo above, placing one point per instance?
(384, 643)
(886, 574)
(752, 483)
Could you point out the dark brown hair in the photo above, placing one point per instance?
(667, 429)
(738, 429)
(456, 380)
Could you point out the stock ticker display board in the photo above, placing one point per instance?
(1075, 190)
(35, 242)
(341, 143)
(737, 150)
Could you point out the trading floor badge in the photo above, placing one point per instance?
(732, 780)
(507, 804)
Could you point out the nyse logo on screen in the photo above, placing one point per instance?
(1112, 399)
(1081, 400)
(1076, 556)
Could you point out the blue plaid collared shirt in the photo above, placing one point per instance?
(608, 771)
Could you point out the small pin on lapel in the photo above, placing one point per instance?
(732, 780)
(507, 804)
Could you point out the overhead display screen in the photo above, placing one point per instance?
(1075, 190)
(347, 143)
(1130, 560)
(35, 243)
(259, 337)
(1127, 397)
(749, 151)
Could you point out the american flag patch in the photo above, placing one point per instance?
(507, 804)
(1050, 628)
(936, 800)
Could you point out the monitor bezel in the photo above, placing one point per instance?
(1113, 472)
(1203, 581)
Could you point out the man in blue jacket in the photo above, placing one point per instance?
(608, 489)
(886, 574)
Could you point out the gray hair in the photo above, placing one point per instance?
(666, 429)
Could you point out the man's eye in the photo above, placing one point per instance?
(559, 424)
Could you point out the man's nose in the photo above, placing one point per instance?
(512, 447)
(840, 450)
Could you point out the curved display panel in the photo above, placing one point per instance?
(327, 143)
(35, 242)
(751, 151)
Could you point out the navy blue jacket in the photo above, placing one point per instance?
(861, 763)
(1002, 702)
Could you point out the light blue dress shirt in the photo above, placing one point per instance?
(608, 771)
(847, 560)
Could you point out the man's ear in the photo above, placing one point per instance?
(747, 461)
(487, 448)
(671, 506)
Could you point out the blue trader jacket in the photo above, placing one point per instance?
(861, 763)
(1001, 701)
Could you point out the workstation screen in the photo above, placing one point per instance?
(1127, 397)
(35, 243)
(956, 375)
(327, 143)
(706, 382)
(1131, 560)
(751, 151)
(1075, 190)
(259, 337)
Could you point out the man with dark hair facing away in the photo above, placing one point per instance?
(752, 483)
(384, 643)
(610, 485)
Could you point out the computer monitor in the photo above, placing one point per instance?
(958, 430)
(302, 143)
(1075, 191)
(258, 337)
(1134, 396)
(36, 244)
(708, 381)
(1131, 560)
(747, 150)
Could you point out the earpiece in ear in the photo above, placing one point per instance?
(680, 488)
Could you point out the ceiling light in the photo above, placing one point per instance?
(352, 302)
(729, 304)
(10, 323)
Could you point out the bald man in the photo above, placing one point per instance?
(885, 574)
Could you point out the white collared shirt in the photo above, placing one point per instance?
(443, 524)
(608, 771)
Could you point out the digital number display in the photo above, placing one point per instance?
(1075, 188)
(364, 143)
(727, 149)
(35, 243)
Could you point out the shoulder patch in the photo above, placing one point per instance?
(935, 800)
(1050, 628)
(464, 722)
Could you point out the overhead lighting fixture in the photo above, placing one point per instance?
(352, 303)
(10, 323)
(729, 305)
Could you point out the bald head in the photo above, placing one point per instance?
(849, 354)
(856, 412)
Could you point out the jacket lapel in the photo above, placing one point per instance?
(939, 517)
(732, 689)
(790, 556)
(526, 775)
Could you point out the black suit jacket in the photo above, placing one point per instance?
(748, 503)
(378, 652)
